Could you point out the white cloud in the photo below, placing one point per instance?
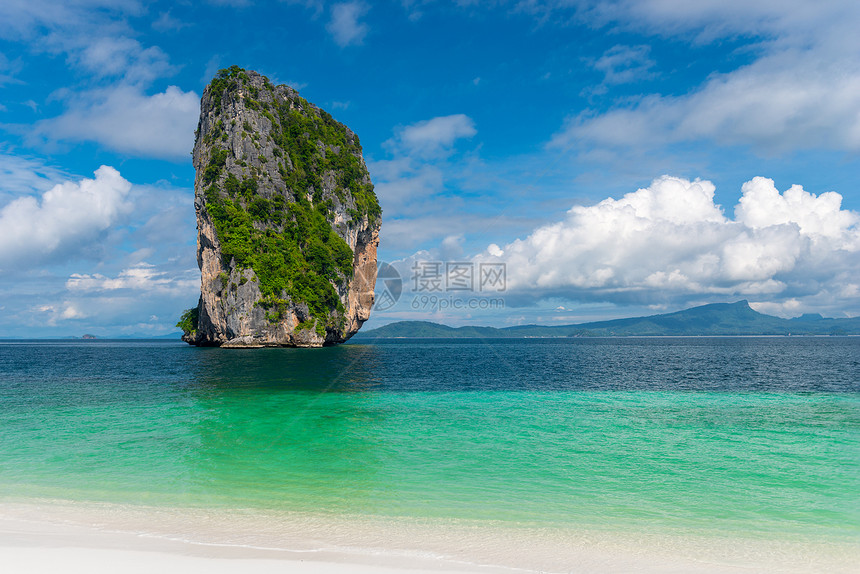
(799, 93)
(793, 101)
(53, 314)
(142, 265)
(402, 181)
(623, 64)
(121, 113)
(24, 18)
(167, 23)
(669, 241)
(121, 56)
(142, 277)
(711, 20)
(8, 70)
(432, 137)
(127, 120)
(24, 176)
(71, 312)
(344, 26)
(63, 220)
(416, 171)
(816, 215)
(103, 231)
(495, 250)
(421, 170)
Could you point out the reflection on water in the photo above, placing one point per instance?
(346, 368)
(292, 428)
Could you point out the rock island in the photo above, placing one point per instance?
(287, 220)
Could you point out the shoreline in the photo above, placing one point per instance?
(87, 537)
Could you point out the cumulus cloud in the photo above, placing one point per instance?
(670, 241)
(63, 220)
(142, 264)
(344, 25)
(816, 215)
(127, 120)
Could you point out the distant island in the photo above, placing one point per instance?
(718, 319)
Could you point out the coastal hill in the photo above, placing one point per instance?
(719, 319)
(288, 222)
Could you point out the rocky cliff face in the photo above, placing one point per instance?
(288, 223)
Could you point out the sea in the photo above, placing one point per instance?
(713, 442)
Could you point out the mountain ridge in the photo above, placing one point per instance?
(714, 319)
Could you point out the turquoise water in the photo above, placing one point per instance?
(753, 436)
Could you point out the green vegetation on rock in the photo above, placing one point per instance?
(188, 321)
(301, 129)
(287, 239)
(299, 262)
(223, 81)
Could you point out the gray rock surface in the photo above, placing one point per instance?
(262, 149)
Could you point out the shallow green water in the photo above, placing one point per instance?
(753, 436)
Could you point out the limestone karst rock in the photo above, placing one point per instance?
(287, 220)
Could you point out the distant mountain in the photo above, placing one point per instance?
(716, 319)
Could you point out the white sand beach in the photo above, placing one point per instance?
(31, 544)
(71, 538)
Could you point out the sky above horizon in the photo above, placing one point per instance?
(618, 158)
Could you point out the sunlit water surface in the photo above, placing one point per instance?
(757, 437)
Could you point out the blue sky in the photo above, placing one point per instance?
(618, 157)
